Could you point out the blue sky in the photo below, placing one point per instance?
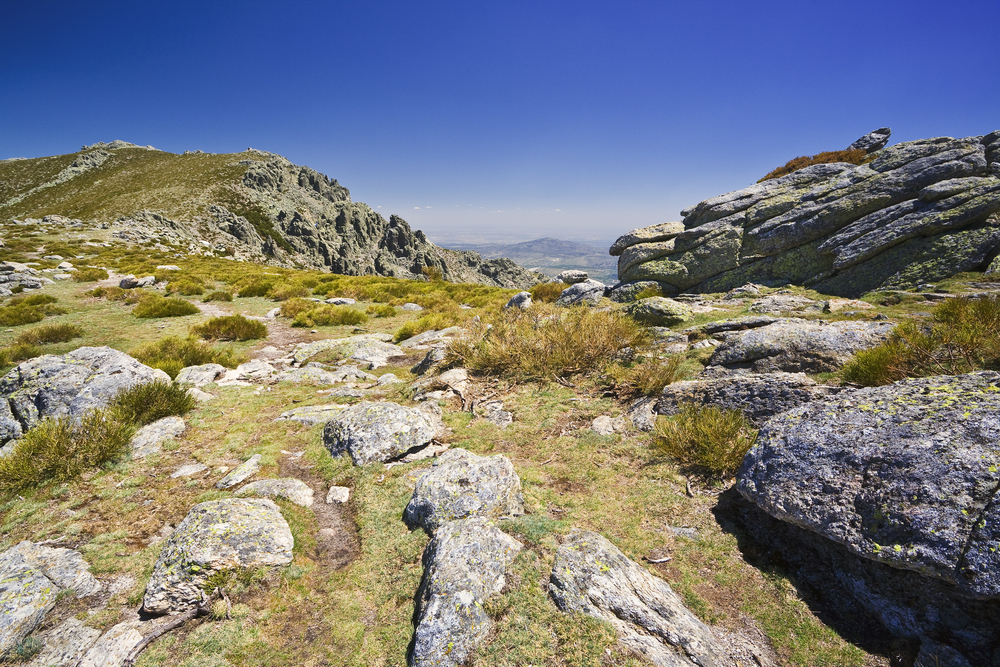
(579, 120)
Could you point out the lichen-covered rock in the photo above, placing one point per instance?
(796, 345)
(759, 397)
(65, 644)
(371, 349)
(150, 438)
(919, 212)
(200, 375)
(572, 276)
(66, 385)
(778, 304)
(628, 292)
(377, 432)
(294, 490)
(464, 565)
(215, 536)
(242, 472)
(588, 293)
(904, 474)
(520, 300)
(661, 232)
(660, 311)
(313, 414)
(592, 576)
(114, 646)
(461, 484)
(65, 567)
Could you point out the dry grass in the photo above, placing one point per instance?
(856, 156)
(145, 403)
(706, 438)
(646, 377)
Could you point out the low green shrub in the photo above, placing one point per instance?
(230, 327)
(186, 287)
(18, 352)
(89, 274)
(296, 305)
(218, 295)
(647, 292)
(856, 156)
(328, 315)
(171, 354)
(254, 287)
(13, 316)
(62, 448)
(706, 438)
(428, 322)
(546, 341)
(50, 333)
(647, 377)
(145, 403)
(115, 293)
(547, 292)
(284, 291)
(380, 310)
(33, 300)
(964, 337)
(152, 305)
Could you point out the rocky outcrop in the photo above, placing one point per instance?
(588, 293)
(918, 212)
(464, 565)
(372, 432)
(215, 536)
(904, 478)
(150, 438)
(660, 311)
(592, 576)
(461, 485)
(66, 385)
(289, 488)
(370, 349)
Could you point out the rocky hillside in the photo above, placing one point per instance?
(916, 212)
(254, 206)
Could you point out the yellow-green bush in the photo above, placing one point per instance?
(429, 322)
(230, 327)
(284, 291)
(547, 292)
(646, 377)
(329, 315)
(50, 333)
(171, 354)
(115, 293)
(706, 438)
(146, 403)
(296, 305)
(380, 310)
(152, 305)
(186, 286)
(89, 274)
(218, 295)
(18, 352)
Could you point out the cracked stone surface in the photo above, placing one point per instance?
(372, 432)
(905, 475)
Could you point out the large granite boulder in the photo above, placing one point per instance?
(920, 211)
(215, 536)
(370, 349)
(31, 578)
(592, 576)
(759, 397)
(461, 484)
(377, 431)
(902, 479)
(660, 312)
(464, 565)
(66, 385)
(796, 345)
(586, 293)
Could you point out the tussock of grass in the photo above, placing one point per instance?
(172, 354)
(218, 295)
(28, 309)
(964, 337)
(546, 341)
(152, 305)
(706, 438)
(643, 378)
(62, 448)
(89, 274)
(329, 315)
(145, 403)
(428, 322)
(230, 327)
(115, 293)
(50, 333)
(547, 292)
(186, 286)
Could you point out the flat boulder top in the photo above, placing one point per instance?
(215, 536)
(370, 431)
(904, 474)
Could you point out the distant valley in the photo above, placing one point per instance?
(549, 256)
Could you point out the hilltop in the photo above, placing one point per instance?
(253, 206)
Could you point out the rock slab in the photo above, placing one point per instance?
(372, 432)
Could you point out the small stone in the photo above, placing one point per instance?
(150, 438)
(188, 470)
(200, 375)
(411, 306)
(290, 489)
(520, 300)
(337, 494)
(244, 471)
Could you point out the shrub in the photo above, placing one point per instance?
(647, 292)
(115, 293)
(964, 337)
(33, 300)
(145, 403)
(12, 316)
(152, 305)
(329, 315)
(296, 305)
(185, 286)
(62, 448)
(26, 649)
(428, 322)
(547, 292)
(172, 354)
(18, 352)
(646, 378)
(230, 327)
(255, 287)
(89, 274)
(432, 273)
(545, 341)
(706, 438)
(282, 292)
(219, 295)
(856, 156)
(380, 310)
(50, 333)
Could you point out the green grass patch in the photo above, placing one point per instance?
(230, 327)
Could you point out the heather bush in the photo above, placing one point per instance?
(50, 333)
(145, 403)
(856, 156)
(218, 295)
(329, 315)
(547, 292)
(89, 274)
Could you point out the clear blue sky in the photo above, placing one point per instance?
(522, 119)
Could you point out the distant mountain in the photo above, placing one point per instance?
(252, 206)
(551, 256)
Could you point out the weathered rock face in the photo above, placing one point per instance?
(215, 536)
(588, 293)
(66, 385)
(660, 311)
(150, 438)
(461, 485)
(377, 432)
(592, 576)
(759, 397)
(370, 349)
(919, 212)
(464, 565)
(288, 488)
(796, 345)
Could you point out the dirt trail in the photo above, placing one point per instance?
(337, 543)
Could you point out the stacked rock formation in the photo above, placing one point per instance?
(917, 212)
